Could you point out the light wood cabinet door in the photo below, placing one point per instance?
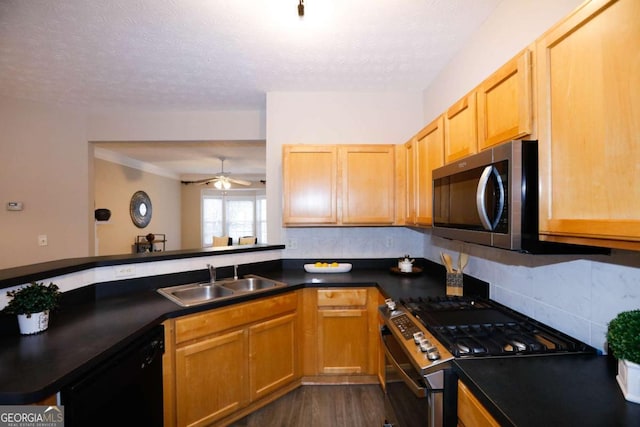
(211, 379)
(310, 184)
(471, 413)
(460, 129)
(429, 156)
(344, 341)
(505, 103)
(589, 134)
(367, 174)
(340, 333)
(410, 154)
(273, 355)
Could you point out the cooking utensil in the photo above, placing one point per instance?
(448, 262)
(463, 259)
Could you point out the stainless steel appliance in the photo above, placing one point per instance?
(420, 384)
(489, 198)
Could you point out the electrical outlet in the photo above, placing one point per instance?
(293, 243)
(125, 270)
(388, 242)
(42, 240)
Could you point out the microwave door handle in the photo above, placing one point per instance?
(500, 198)
(480, 193)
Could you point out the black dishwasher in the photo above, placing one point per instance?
(125, 391)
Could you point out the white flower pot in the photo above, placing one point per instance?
(37, 322)
(629, 380)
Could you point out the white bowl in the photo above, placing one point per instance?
(340, 268)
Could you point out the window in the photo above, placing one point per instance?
(234, 214)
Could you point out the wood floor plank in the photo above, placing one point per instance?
(322, 406)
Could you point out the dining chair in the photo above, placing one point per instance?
(248, 240)
(221, 241)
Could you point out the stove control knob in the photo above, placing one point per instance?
(391, 304)
(417, 337)
(426, 346)
(433, 355)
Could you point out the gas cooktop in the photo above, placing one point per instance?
(472, 327)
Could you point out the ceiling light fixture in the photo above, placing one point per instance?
(301, 8)
(222, 183)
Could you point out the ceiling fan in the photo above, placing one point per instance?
(220, 181)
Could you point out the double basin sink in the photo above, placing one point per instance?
(200, 293)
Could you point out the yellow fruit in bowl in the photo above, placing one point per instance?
(317, 264)
(334, 264)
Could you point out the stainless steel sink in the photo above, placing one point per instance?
(200, 293)
(249, 284)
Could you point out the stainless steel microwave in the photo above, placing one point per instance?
(491, 198)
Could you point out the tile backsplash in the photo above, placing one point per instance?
(578, 295)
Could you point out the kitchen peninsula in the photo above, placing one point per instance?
(84, 334)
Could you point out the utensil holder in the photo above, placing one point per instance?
(454, 284)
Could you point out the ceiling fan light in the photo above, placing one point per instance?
(226, 184)
(218, 185)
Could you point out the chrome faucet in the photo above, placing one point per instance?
(235, 272)
(212, 273)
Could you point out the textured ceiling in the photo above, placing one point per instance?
(221, 55)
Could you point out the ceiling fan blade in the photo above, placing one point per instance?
(200, 181)
(239, 181)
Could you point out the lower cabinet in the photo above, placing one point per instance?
(229, 359)
(471, 413)
(340, 333)
(211, 378)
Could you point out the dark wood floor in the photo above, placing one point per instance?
(322, 406)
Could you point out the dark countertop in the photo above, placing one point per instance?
(82, 336)
(528, 391)
(566, 391)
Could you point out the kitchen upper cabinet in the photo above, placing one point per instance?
(429, 154)
(471, 413)
(588, 69)
(221, 363)
(505, 103)
(339, 185)
(341, 332)
(367, 176)
(310, 176)
(409, 180)
(461, 131)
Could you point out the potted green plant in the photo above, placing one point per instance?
(623, 336)
(32, 304)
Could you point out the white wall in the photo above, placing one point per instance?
(577, 296)
(44, 164)
(123, 125)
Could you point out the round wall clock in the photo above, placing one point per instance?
(140, 209)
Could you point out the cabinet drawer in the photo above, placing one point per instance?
(217, 320)
(342, 297)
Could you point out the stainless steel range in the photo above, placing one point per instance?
(422, 336)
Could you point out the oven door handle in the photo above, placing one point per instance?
(416, 389)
